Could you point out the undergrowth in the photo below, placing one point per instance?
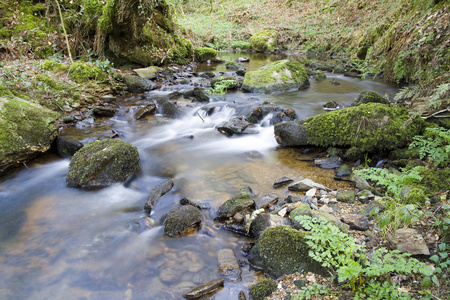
(367, 274)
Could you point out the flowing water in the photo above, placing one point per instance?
(65, 243)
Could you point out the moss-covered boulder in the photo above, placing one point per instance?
(181, 220)
(203, 54)
(26, 130)
(101, 163)
(369, 127)
(236, 204)
(281, 75)
(264, 41)
(262, 289)
(142, 32)
(282, 250)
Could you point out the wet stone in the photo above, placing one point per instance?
(332, 162)
(156, 193)
(228, 265)
(266, 201)
(282, 181)
(305, 185)
(205, 289)
(145, 111)
(104, 111)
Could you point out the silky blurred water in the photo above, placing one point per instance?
(66, 243)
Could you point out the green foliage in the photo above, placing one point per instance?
(82, 72)
(241, 45)
(220, 88)
(434, 145)
(393, 182)
(312, 289)
(351, 262)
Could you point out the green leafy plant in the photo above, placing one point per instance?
(220, 88)
(350, 262)
(392, 181)
(434, 145)
(398, 216)
(311, 290)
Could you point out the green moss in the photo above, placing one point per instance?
(107, 15)
(241, 45)
(24, 125)
(277, 76)
(82, 72)
(370, 127)
(435, 180)
(48, 81)
(102, 163)
(181, 219)
(264, 41)
(54, 66)
(203, 54)
(282, 250)
(5, 92)
(262, 289)
(5, 33)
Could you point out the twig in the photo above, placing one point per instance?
(200, 117)
(65, 33)
(436, 113)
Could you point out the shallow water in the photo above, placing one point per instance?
(65, 243)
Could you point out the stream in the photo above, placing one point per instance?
(58, 242)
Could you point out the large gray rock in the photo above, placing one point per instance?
(148, 73)
(26, 131)
(101, 163)
(237, 125)
(282, 75)
(181, 220)
(282, 250)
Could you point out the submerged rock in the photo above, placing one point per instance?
(101, 163)
(157, 192)
(205, 289)
(264, 41)
(228, 265)
(282, 181)
(182, 219)
(282, 75)
(369, 127)
(282, 250)
(26, 130)
(331, 162)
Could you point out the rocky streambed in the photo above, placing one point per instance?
(208, 194)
